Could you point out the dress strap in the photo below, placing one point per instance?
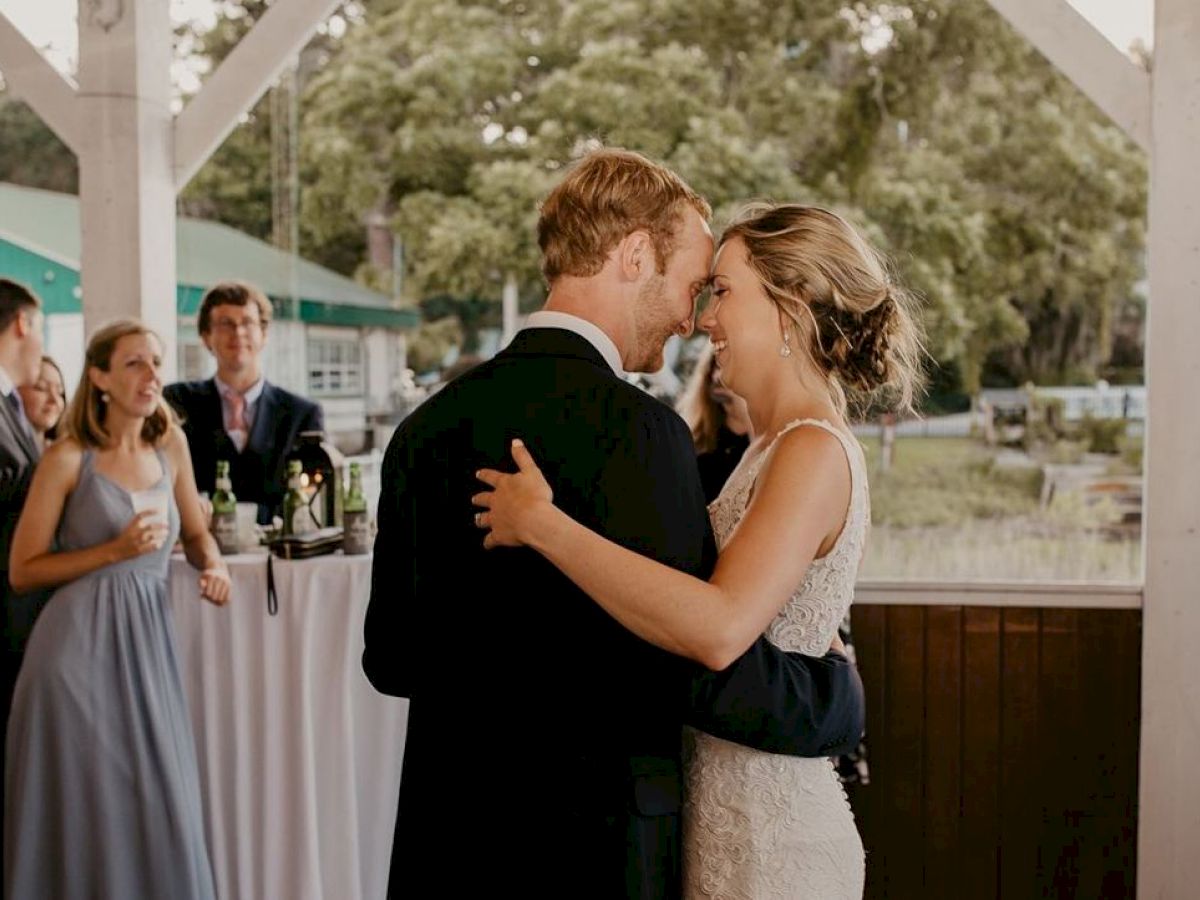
(164, 464)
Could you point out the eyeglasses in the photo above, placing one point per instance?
(229, 326)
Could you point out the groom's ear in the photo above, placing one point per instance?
(635, 255)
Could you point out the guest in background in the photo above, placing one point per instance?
(102, 785)
(20, 359)
(238, 415)
(719, 421)
(44, 401)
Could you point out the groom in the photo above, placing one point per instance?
(543, 750)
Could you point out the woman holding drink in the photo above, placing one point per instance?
(103, 796)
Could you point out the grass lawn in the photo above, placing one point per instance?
(945, 510)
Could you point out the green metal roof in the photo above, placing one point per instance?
(46, 225)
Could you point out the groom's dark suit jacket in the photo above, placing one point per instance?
(543, 748)
(258, 472)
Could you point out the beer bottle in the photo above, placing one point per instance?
(356, 522)
(224, 511)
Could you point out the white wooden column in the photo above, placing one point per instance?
(1169, 789)
(126, 159)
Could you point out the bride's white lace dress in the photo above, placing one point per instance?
(760, 825)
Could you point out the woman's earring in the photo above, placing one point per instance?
(786, 349)
(104, 398)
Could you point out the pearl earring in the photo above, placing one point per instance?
(786, 350)
(104, 398)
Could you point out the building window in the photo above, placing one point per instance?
(335, 367)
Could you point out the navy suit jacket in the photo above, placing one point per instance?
(259, 472)
(544, 740)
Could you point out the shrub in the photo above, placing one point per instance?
(1102, 435)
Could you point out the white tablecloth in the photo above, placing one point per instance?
(299, 756)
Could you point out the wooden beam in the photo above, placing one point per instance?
(1169, 805)
(1112, 80)
(242, 79)
(31, 78)
(1022, 594)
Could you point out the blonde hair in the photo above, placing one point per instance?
(859, 327)
(84, 420)
(608, 195)
(703, 414)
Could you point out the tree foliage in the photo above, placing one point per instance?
(1008, 201)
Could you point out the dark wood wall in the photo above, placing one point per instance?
(1003, 751)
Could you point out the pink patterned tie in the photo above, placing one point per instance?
(236, 420)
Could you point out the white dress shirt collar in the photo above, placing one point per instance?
(7, 385)
(589, 331)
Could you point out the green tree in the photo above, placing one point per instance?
(1001, 194)
(30, 153)
(1011, 202)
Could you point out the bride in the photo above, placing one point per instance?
(803, 317)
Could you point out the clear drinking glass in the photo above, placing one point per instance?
(156, 501)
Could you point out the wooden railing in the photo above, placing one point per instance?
(1003, 743)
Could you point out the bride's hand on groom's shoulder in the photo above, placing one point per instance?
(510, 509)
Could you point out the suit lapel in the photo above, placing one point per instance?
(213, 408)
(264, 421)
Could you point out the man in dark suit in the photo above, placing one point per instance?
(21, 344)
(238, 415)
(544, 740)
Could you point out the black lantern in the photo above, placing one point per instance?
(321, 465)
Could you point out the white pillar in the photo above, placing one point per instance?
(508, 309)
(126, 159)
(1169, 789)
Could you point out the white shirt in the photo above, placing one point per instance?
(6, 383)
(251, 396)
(589, 331)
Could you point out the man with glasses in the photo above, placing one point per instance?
(238, 415)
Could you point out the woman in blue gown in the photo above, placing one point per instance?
(102, 785)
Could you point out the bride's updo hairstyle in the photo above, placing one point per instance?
(838, 303)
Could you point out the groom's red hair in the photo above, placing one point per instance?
(607, 195)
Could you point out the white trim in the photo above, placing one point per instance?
(1112, 80)
(1064, 595)
(242, 79)
(1168, 788)
(32, 79)
(33, 247)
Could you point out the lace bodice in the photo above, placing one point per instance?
(808, 621)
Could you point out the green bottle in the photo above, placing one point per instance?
(356, 523)
(224, 511)
(297, 519)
